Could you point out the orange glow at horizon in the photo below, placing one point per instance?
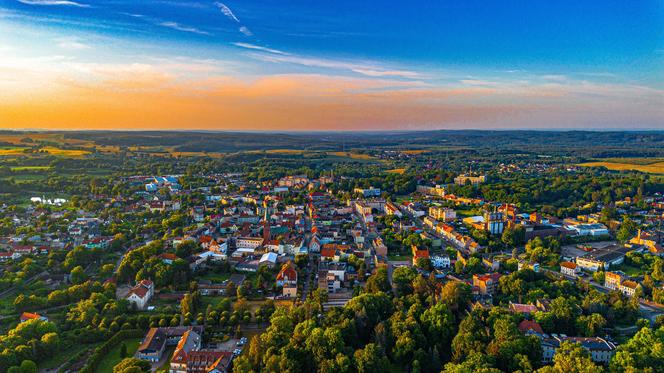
(286, 102)
(187, 96)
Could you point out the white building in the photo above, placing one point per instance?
(141, 294)
(590, 229)
(569, 269)
(440, 261)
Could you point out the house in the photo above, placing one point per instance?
(157, 339)
(289, 291)
(628, 287)
(287, 275)
(379, 247)
(269, 259)
(212, 289)
(26, 316)
(526, 309)
(370, 192)
(533, 266)
(648, 240)
(141, 294)
(328, 281)
(392, 209)
(491, 264)
(486, 283)
(8, 255)
(612, 280)
(569, 269)
(526, 325)
(419, 253)
(198, 213)
(168, 258)
(250, 243)
(440, 261)
(442, 214)
(203, 361)
(189, 342)
(600, 349)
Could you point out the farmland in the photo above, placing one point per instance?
(649, 165)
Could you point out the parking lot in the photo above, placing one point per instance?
(232, 345)
(572, 251)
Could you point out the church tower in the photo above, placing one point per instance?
(266, 223)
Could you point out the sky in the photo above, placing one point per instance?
(331, 65)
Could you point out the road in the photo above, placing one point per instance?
(310, 258)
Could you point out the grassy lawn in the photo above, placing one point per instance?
(212, 300)
(215, 277)
(629, 270)
(466, 212)
(7, 305)
(62, 356)
(113, 357)
(399, 258)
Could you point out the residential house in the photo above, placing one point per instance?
(287, 275)
(189, 342)
(419, 253)
(157, 339)
(443, 214)
(26, 316)
(569, 269)
(141, 294)
(486, 283)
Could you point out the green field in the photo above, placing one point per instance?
(629, 270)
(215, 277)
(31, 168)
(113, 357)
(399, 258)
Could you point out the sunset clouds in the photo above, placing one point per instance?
(198, 70)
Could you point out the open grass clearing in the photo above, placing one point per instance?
(113, 357)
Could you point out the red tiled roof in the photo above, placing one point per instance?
(327, 252)
(526, 325)
(287, 271)
(140, 291)
(29, 316)
(522, 308)
(569, 265)
(168, 256)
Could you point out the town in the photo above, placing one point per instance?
(318, 270)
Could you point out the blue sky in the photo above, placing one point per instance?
(534, 59)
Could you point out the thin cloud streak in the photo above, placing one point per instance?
(364, 69)
(227, 11)
(73, 44)
(54, 3)
(179, 27)
(260, 48)
(246, 31)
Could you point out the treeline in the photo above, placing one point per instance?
(417, 326)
